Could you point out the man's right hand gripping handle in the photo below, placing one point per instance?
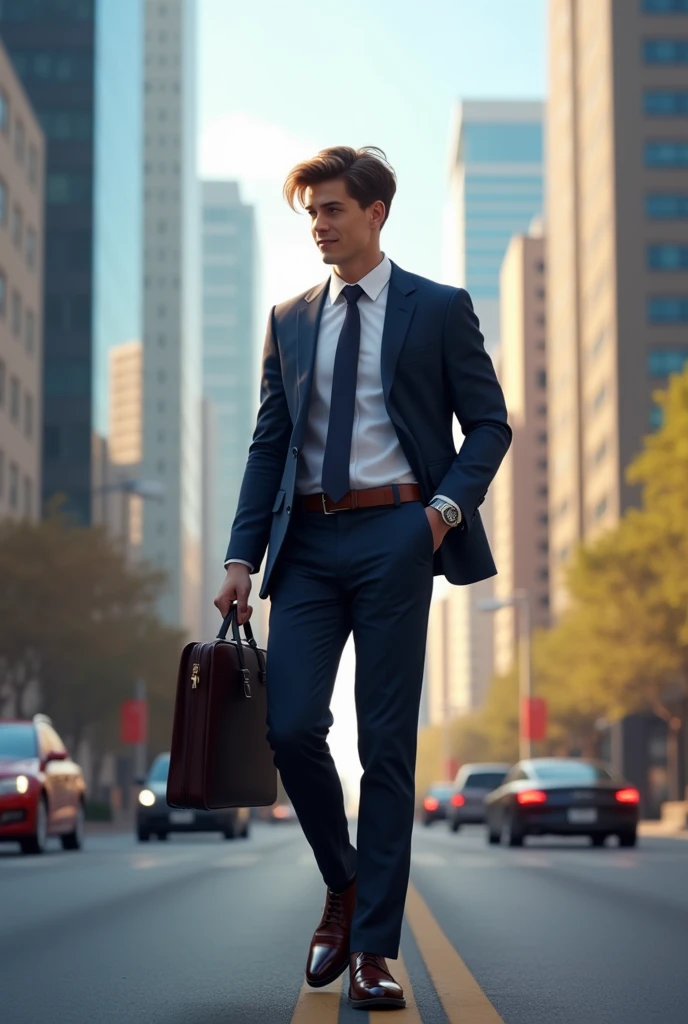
(236, 587)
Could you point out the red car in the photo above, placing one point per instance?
(41, 789)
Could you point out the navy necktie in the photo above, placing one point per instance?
(335, 471)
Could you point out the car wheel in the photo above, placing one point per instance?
(245, 832)
(38, 842)
(512, 835)
(162, 836)
(75, 840)
(454, 825)
(599, 838)
(629, 838)
(491, 836)
(427, 822)
(142, 835)
(230, 832)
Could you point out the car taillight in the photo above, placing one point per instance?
(458, 800)
(431, 803)
(531, 796)
(628, 796)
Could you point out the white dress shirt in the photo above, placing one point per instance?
(377, 458)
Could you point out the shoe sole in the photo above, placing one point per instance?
(323, 982)
(379, 1003)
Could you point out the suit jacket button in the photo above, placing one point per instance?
(288, 509)
(295, 452)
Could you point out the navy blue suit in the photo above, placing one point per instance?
(368, 572)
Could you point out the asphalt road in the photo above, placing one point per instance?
(203, 931)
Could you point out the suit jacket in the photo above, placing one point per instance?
(434, 367)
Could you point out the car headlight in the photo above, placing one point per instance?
(146, 798)
(16, 784)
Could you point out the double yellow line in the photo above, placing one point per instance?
(459, 993)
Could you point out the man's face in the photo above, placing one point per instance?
(340, 228)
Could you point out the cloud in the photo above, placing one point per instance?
(250, 150)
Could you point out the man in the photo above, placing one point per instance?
(354, 486)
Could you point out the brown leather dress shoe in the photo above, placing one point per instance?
(372, 986)
(328, 956)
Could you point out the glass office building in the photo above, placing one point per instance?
(80, 62)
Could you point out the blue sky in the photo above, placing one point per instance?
(279, 81)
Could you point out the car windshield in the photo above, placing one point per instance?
(484, 780)
(575, 771)
(159, 769)
(17, 741)
(440, 790)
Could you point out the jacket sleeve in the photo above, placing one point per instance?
(479, 406)
(266, 459)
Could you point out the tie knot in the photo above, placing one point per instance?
(352, 293)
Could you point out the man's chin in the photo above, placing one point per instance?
(328, 258)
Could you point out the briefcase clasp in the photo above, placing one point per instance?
(247, 682)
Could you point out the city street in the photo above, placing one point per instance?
(199, 931)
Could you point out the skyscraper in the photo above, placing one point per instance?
(617, 225)
(229, 357)
(80, 64)
(171, 308)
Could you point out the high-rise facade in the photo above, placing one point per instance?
(617, 226)
(80, 64)
(22, 177)
(519, 492)
(229, 357)
(172, 451)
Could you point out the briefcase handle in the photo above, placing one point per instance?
(231, 620)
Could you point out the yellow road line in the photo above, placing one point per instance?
(319, 1006)
(461, 996)
(411, 1014)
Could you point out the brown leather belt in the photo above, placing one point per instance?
(369, 498)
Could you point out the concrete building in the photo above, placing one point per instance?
(171, 308)
(229, 359)
(519, 492)
(617, 225)
(495, 190)
(22, 178)
(80, 64)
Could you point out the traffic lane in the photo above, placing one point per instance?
(211, 943)
(551, 937)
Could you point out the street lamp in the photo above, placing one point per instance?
(520, 600)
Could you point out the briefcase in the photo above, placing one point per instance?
(220, 755)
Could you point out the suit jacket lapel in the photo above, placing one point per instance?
(308, 325)
(400, 307)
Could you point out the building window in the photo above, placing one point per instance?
(28, 498)
(543, 519)
(33, 165)
(14, 399)
(543, 574)
(600, 397)
(668, 309)
(4, 111)
(600, 508)
(65, 189)
(665, 51)
(667, 257)
(665, 6)
(30, 329)
(540, 267)
(16, 314)
(31, 247)
(666, 154)
(660, 206)
(665, 103)
(13, 495)
(19, 142)
(600, 453)
(656, 417)
(541, 378)
(542, 464)
(542, 437)
(663, 362)
(17, 226)
(28, 416)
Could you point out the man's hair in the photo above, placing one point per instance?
(366, 173)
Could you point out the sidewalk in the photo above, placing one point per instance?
(662, 829)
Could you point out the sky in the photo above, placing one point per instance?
(279, 81)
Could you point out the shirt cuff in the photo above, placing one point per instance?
(240, 561)
(443, 497)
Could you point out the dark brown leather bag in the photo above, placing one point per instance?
(220, 755)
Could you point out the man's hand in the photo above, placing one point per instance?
(236, 587)
(437, 525)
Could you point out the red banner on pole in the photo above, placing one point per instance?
(534, 718)
(134, 721)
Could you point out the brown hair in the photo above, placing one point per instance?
(367, 175)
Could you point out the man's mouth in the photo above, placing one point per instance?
(326, 241)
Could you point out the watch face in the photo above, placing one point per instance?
(450, 515)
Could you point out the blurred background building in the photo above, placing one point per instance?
(22, 175)
(617, 210)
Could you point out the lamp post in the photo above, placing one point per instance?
(520, 600)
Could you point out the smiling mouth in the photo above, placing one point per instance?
(326, 241)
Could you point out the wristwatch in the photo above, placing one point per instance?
(449, 512)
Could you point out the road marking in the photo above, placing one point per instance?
(461, 996)
(411, 1014)
(318, 1005)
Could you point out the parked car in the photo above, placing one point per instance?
(467, 799)
(154, 816)
(436, 802)
(562, 796)
(42, 790)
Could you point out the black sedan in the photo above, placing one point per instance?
(565, 797)
(154, 816)
(472, 785)
(436, 802)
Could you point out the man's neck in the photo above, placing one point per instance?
(359, 268)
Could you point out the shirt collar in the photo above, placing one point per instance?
(372, 284)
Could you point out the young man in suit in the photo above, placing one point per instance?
(354, 486)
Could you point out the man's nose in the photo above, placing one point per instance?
(321, 226)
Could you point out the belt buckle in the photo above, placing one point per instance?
(334, 510)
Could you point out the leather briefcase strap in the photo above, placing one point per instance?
(371, 497)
